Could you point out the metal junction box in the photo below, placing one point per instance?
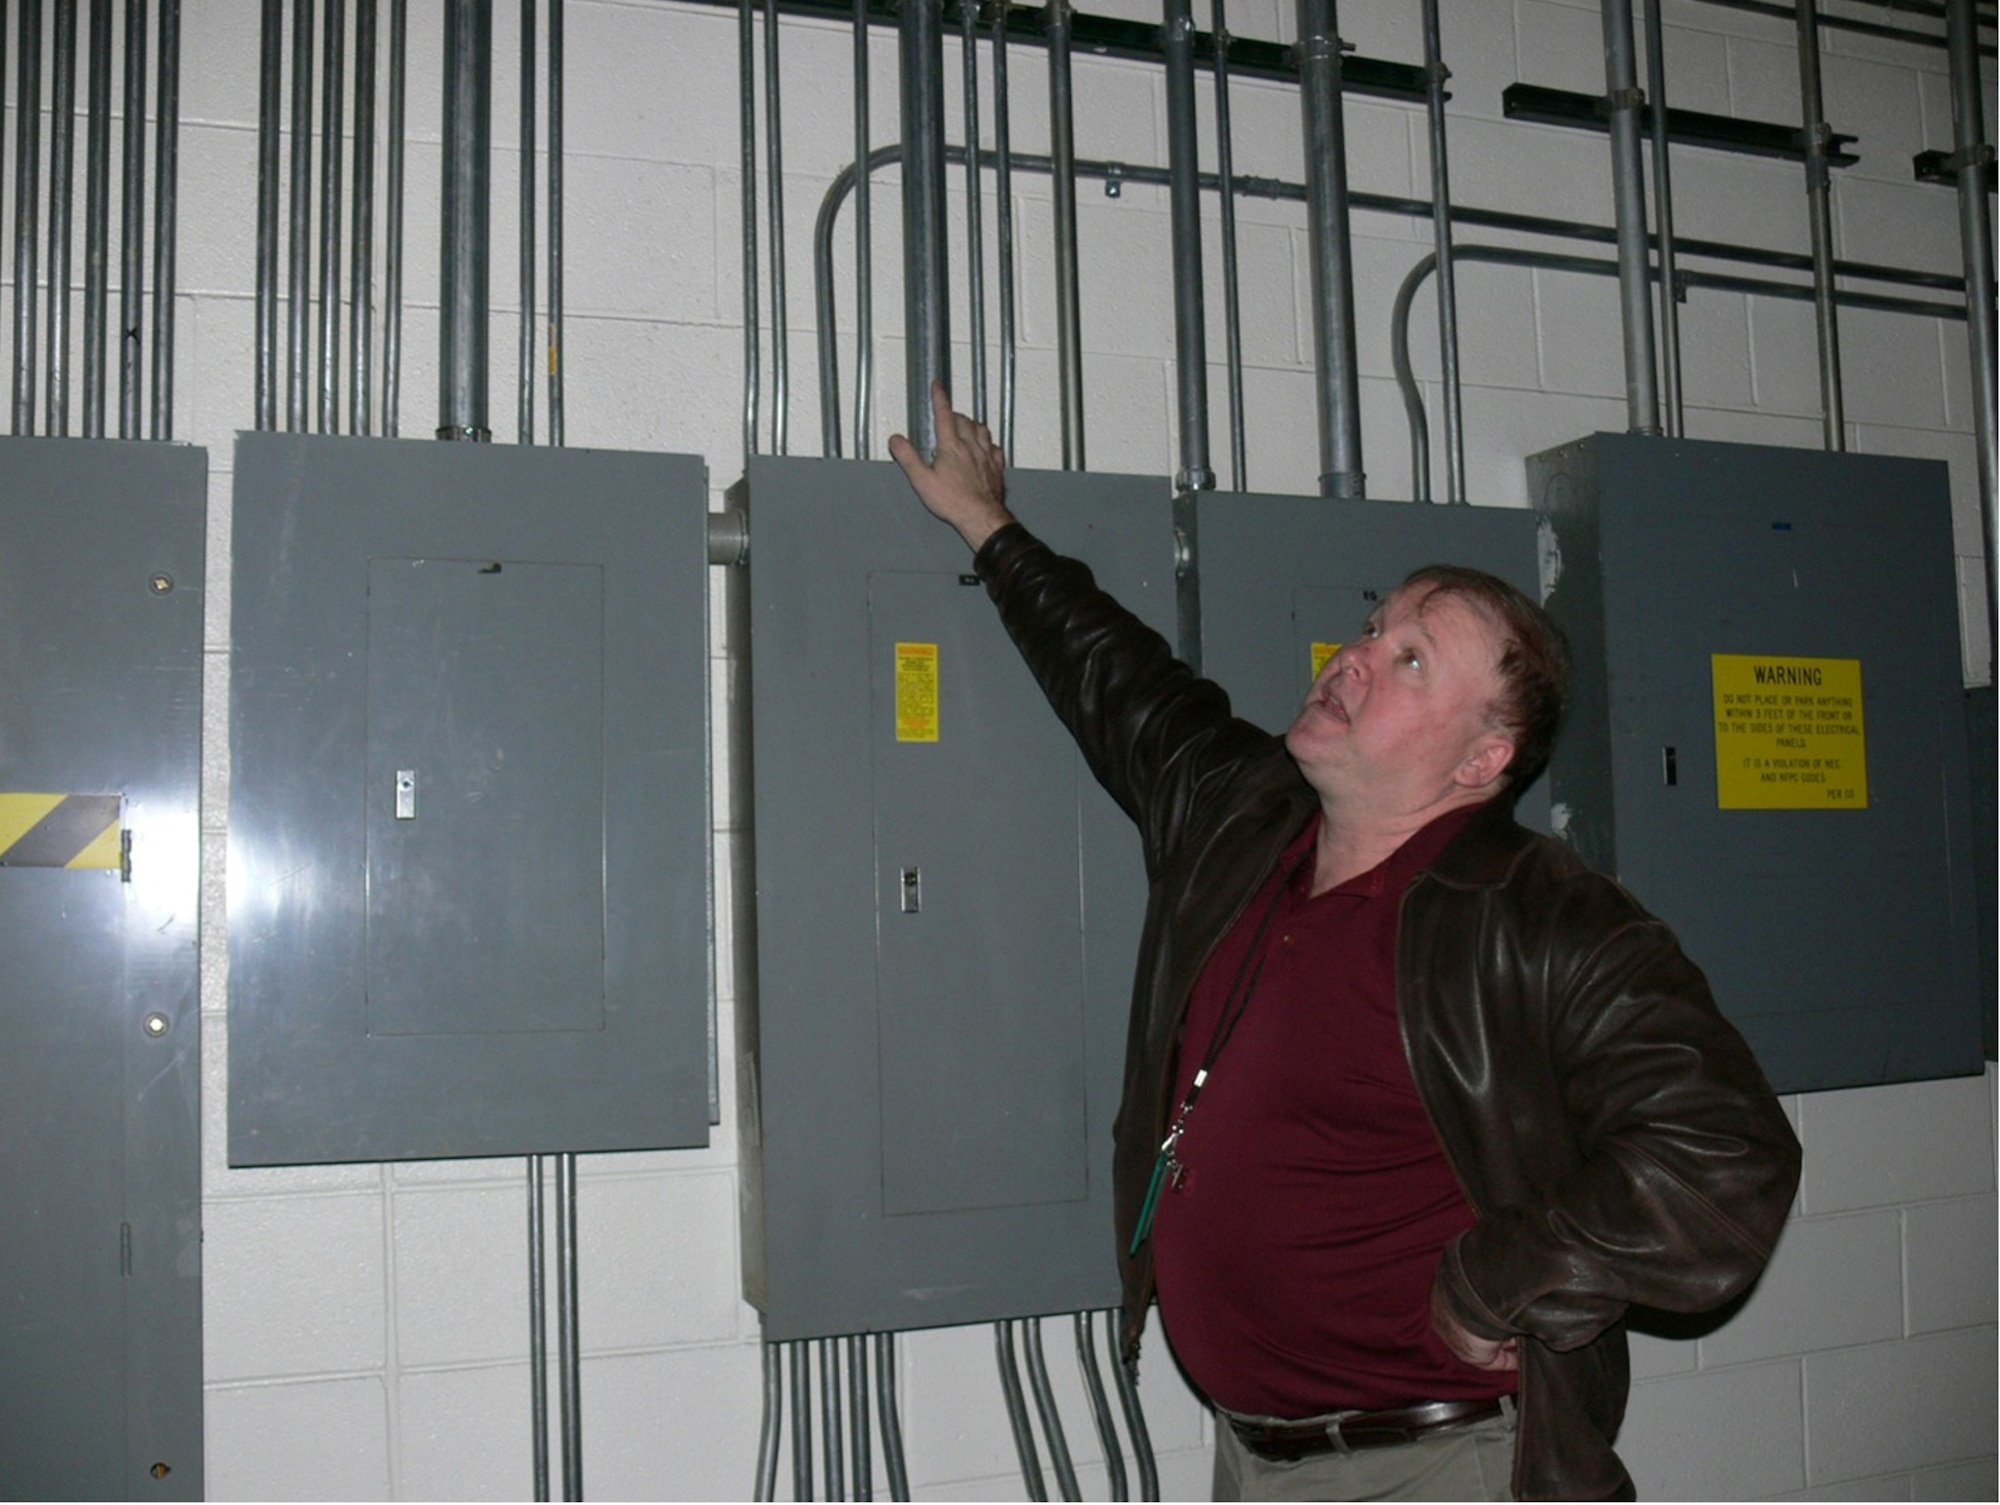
(102, 586)
(469, 906)
(1768, 743)
(947, 914)
(1286, 579)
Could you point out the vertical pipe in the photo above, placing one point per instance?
(775, 194)
(166, 215)
(62, 200)
(538, 1326)
(27, 205)
(556, 65)
(1003, 225)
(1436, 74)
(97, 220)
(361, 317)
(298, 324)
(1974, 155)
(1628, 184)
(1663, 217)
(3, 74)
(802, 1447)
(1820, 214)
(392, 274)
(332, 105)
(864, 254)
(271, 52)
(1045, 1406)
(568, 1337)
(927, 319)
(829, 1419)
(1017, 1411)
(1184, 212)
(1338, 371)
(468, 118)
(746, 95)
(892, 1416)
(1062, 151)
(767, 1431)
(1126, 1374)
(975, 230)
(1232, 302)
(857, 1417)
(1086, 1332)
(524, 417)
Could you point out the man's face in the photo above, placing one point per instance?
(1397, 719)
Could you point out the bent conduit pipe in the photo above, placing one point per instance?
(892, 1417)
(1974, 156)
(1017, 1411)
(1100, 1407)
(1045, 1407)
(1127, 1378)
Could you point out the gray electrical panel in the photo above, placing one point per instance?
(947, 914)
(101, 595)
(469, 899)
(1768, 743)
(1285, 580)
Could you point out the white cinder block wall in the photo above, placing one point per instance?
(365, 1327)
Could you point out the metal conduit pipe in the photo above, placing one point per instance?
(557, 68)
(132, 247)
(3, 74)
(927, 311)
(1093, 1386)
(166, 215)
(864, 261)
(62, 198)
(829, 1419)
(1436, 75)
(1125, 1373)
(271, 51)
(802, 1463)
(857, 1418)
(27, 207)
(746, 94)
(569, 1347)
(1045, 1406)
(361, 320)
(975, 232)
(1062, 153)
(1232, 303)
(332, 112)
(1184, 212)
(298, 323)
(1017, 1411)
(767, 1431)
(392, 274)
(464, 217)
(1003, 227)
(538, 1326)
(775, 194)
(1973, 155)
(97, 220)
(1628, 187)
(1336, 366)
(524, 400)
(1663, 219)
(892, 1416)
(1819, 208)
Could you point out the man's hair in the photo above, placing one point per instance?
(1533, 667)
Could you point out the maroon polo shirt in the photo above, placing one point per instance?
(1294, 1258)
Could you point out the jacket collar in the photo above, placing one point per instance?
(1485, 853)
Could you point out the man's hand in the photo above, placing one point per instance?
(1500, 1355)
(966, 482)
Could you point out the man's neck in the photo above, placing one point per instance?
(1349, 846)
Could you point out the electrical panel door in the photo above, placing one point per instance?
(1768, 739)
(469, 817)
(947, 913)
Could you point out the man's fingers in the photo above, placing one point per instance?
(941, 408)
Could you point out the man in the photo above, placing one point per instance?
(1415, 1105)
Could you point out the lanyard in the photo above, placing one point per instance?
(1167, 1166)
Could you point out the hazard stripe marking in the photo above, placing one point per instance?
(61, 830)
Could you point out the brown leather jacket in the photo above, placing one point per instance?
(1611, 1130)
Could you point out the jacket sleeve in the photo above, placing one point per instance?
(1157, 736)
(1680, 1166)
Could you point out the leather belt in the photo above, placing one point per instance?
(1348, 1431)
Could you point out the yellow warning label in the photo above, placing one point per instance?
(62, 830)
(916, 692)
(1789, 733)
(1321, 653)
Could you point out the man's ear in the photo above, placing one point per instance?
(1487, 761)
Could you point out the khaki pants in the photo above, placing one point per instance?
(1474, 1462)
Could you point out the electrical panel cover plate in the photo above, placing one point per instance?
(469, 820)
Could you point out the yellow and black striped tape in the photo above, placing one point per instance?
(62, 830)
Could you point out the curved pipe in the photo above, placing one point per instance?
(1017, 1411)
(1100, 1407)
